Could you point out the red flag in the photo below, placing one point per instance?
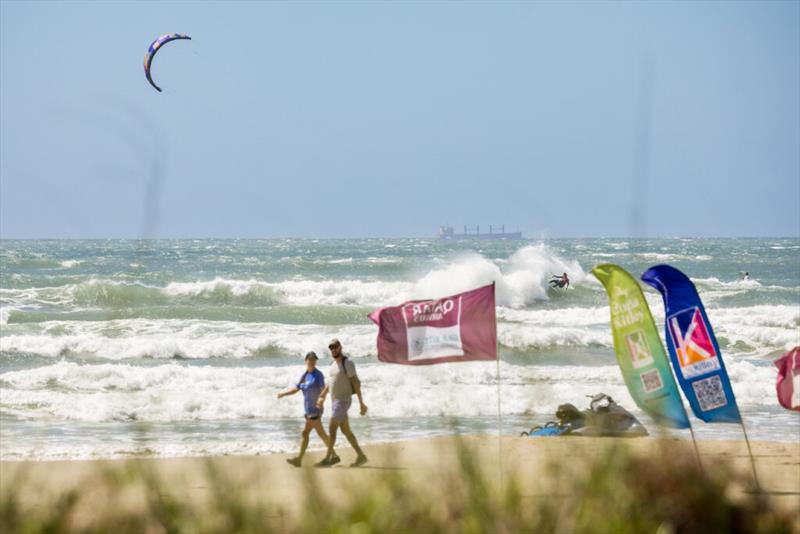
(788, 385)
(457, 328)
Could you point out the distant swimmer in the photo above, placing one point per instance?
(561, 282)
(745, 276)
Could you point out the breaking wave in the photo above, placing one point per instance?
(521, 280)
(173, 392)
(755, 330)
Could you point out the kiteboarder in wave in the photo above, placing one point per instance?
(561, 282)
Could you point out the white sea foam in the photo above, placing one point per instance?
(521, 280)
(745, 330)
(575, 316)
(384, 260)
(126, 446)
(222, 290)
(713, 289)
(657, 256)
(172, 392)
(342, 292)
(668, 256)
(141, 338)
(715, 283)
(126, 339)
(758, 328)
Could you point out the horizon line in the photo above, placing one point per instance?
(363, 238)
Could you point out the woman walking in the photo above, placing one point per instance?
(311, 384)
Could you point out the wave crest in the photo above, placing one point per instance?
(171, 392)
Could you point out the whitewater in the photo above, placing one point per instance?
(178, 347)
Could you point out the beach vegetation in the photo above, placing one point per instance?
(618, 490)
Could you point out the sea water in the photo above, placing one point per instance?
(175, 348)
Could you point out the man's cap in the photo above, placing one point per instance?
(334, 343)
(311, 354)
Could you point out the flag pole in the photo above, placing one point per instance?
(750, 452)
(694, 438)
(696, 449)
(499, 411)
(499, 424)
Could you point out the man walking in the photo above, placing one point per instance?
(342, 382)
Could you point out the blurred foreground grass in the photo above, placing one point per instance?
(617, 490)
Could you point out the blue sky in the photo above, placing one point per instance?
(389, 119)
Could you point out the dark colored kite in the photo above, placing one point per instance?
(151, 52)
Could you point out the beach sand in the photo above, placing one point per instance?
(542, 467)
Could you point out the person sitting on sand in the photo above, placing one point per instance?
(343, 383)
(560, 282)
(311, 384)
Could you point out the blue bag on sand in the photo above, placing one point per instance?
(547, 431)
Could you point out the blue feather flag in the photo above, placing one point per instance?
(693, 348)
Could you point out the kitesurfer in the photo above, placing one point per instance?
(561, 282)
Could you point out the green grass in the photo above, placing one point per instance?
(619, 491)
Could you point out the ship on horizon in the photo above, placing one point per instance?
(447, 232)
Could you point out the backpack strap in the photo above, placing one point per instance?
(344, 370)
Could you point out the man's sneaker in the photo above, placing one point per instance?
(334, 460)
(361, 460)
(294, 461)
(325, 462)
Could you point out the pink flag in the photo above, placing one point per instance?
(457, 328)
(788, 384)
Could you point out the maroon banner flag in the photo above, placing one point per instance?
(457, 328)
(788, 384)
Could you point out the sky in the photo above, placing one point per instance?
(364, 119)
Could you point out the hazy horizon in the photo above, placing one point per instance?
(525, 239)
(360, 120)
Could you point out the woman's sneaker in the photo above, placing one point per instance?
(328, 461)
(294, 461)
(361, 460)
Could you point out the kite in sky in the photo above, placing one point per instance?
(151, 52)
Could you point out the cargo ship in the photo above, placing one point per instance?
(447, 232)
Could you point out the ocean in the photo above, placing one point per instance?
(178, 347)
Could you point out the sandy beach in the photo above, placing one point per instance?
(542, 467)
